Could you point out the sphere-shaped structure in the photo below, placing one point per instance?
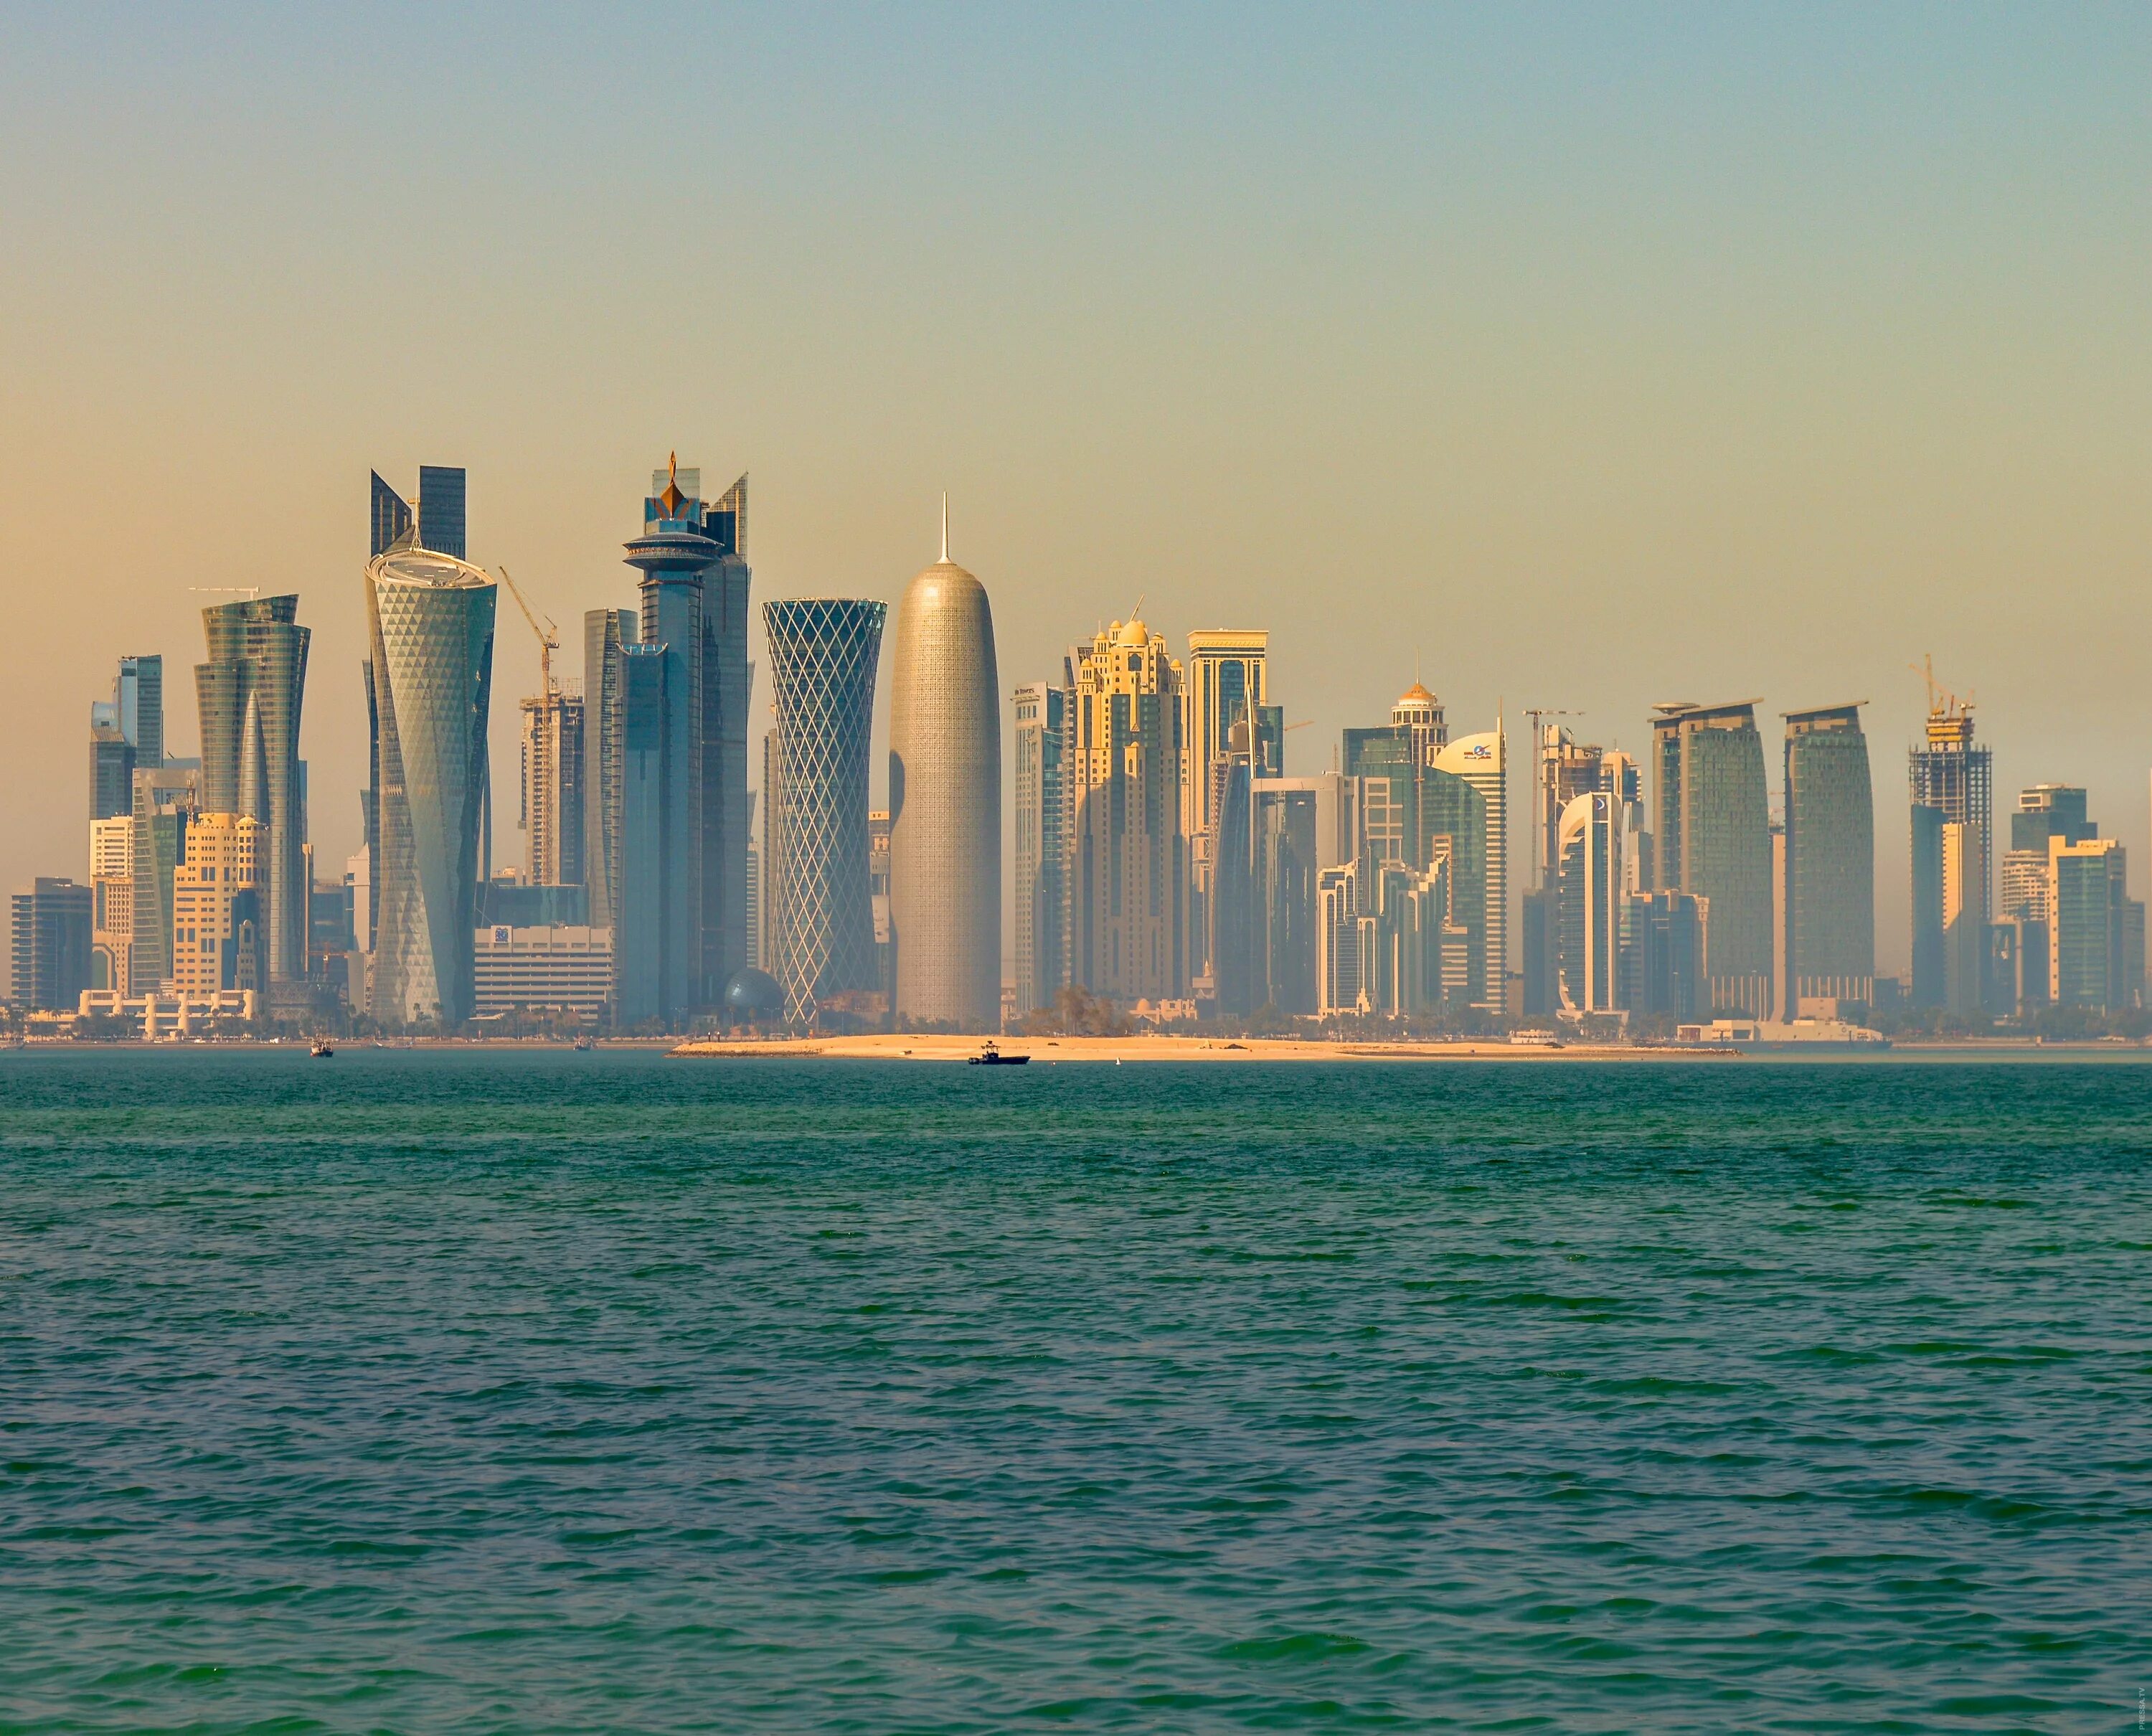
(944, 783)
(754, 996)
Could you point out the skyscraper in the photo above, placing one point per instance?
(112, 902)
(1042, 747)
(1591, 849)
(1831, 861)
(823, 654)
(2044, 811)
(111, 768)
(2096, 937)
(551, 809)
(1481, 763)
(166, 799)
(945, 786)
(606, 632)
(1954, 781)
(430, 618)
(1128, 857)
(50, 934)
(138, 703)
(250, 694)
(1227, 681)
(217, 906)
(1714, 840)
(694, 585)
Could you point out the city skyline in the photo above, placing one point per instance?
(1584, 366)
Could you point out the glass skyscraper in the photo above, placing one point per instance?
(431, 620)
(249, 695)
(1041, 748)
(823, 653)
(1831, 861)
(1714, 842)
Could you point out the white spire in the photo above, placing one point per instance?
(945, 527)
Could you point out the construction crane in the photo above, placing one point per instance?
(1951, 705)
(249, 591)
(549, 636)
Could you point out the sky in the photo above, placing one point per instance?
(1579, 358)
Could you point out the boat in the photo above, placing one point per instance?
(322, 1049)
(991, 1056)
(582, 1045)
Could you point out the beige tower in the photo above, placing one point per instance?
(945, 801)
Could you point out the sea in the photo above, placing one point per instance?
(456, 1390)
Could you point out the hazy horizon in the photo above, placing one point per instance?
(1577, 359)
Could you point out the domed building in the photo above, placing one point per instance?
(945, 783)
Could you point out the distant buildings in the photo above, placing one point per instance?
(551, 809)
(823, 653)
(220, 906)
(1830, 910)
(1128, 856)
(430, 619)
(1591, 851)
(1712, 841)
(542, 969)
(1043, 748)
(112, 902)
(125, 732)
(51, 937)
(1226, 682)
(945, 780)
(1950, 782)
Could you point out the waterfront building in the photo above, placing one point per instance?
(1042, 748)
(1663, 955)
(551, 812)
(250, 694)
(50, 936)
(542, 969)
(1563, 769)
(1712, 841)
(137, 707)
(1129, 857)
(694, 586)
(220, 903)
(1590, 856)
(878, 828)
(2044, 811)
(1950, 782)
(2095, 929)
(1828, 920)
(1303, 825)
(754, 910)
(823, 652)
(1226, 682)
(1345, 941)
(605, 632)
(430, 623)
(440, 522)
(112, 901)
(166, 798)
(1480, 886)
(945, 783)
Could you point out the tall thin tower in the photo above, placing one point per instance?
(945, 781)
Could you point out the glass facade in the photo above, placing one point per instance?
(50, 945)
(1830, 858)
(249, 695)
(1040, 745)
(431, 619)
(823, 653)
(1714, 843)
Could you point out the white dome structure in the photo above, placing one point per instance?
(944, 784)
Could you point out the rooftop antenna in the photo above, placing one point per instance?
(1137, 611)
(945, 527)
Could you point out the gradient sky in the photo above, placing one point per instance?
(1592, 356)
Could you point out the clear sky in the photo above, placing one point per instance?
(1593, 356)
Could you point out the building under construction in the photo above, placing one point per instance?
(1950, 783)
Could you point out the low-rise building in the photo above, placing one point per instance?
(545, 969)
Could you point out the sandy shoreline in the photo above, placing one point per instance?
(887, 1047)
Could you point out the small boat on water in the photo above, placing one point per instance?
(322, 1049)
(991, 1056)
(582, 1045)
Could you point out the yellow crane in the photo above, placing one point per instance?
(1942, 703)
(549, 636)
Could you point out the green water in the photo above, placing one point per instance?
(422, 1391)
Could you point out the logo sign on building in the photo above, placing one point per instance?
(501, 934)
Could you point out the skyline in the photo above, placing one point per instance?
(1604, 362)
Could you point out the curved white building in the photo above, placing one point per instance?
(431, 618)
(945, 799)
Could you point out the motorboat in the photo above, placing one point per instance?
(991, 1056)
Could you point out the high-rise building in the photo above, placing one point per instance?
(1480, 762)
(251, 692)
(1829, 908)
(1344, 940)
(218, 906)
(822, 655)
(1563, 769)
(1129, 857)
(1226, 682)
(694, 593)
(1712, 840)
(1590, 851)
(878, 828)
(50, 932)
(137, 705)
(112, 902)
(1953, 780)
(166, 799)
(945, 799)
(1042, 746)
(439, 521)
(111, 768)
(1663, 955)
(552, 810)
(1302, 826)
(606, 632)
(431, 620)
(2044, 811)
(2095, 929)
